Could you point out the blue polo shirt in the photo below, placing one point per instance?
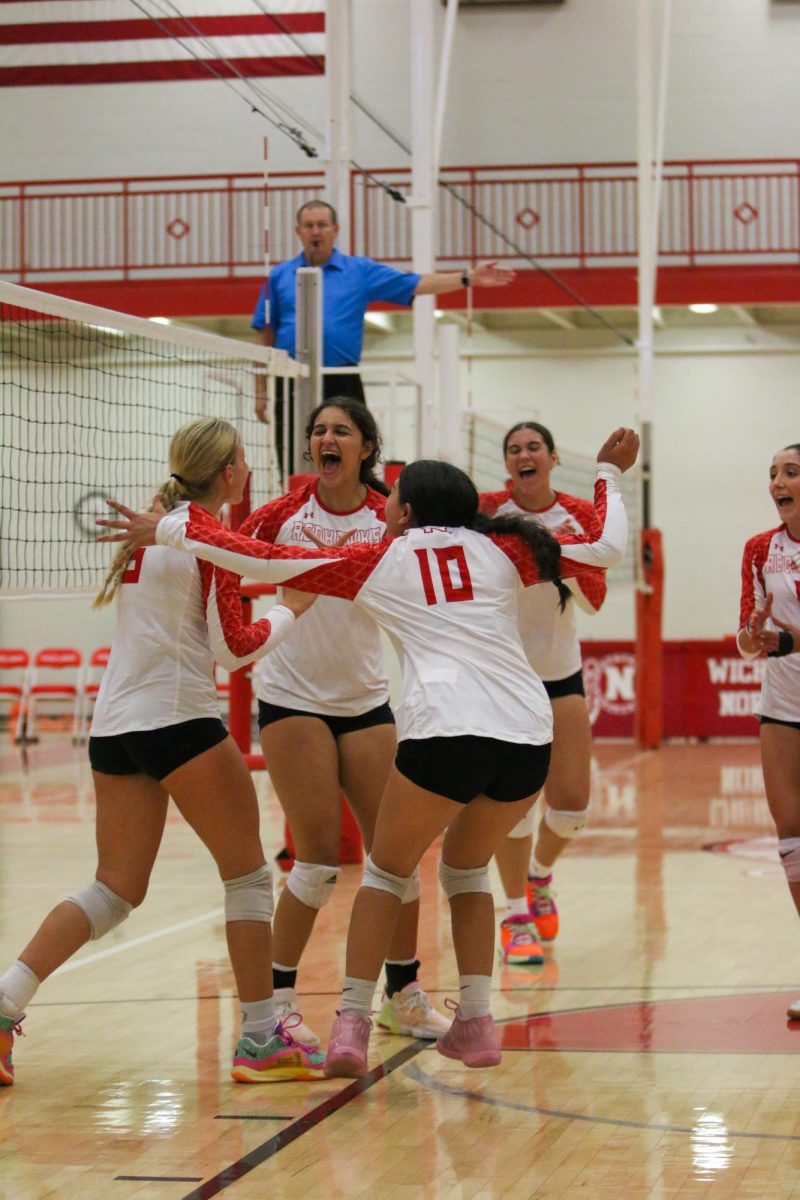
(349, 284)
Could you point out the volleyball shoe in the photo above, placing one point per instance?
(542, 906)
(347, 1046)
(410, 1013)
(473, 1041)
(286, 1006)
(9, 1026)
(281, 1058)
(519, 943)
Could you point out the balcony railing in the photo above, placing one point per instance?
(567, 215)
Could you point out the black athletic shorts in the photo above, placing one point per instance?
(155, 752)
(268, 714)
(461, 768)
(779, 721)
(571, 686)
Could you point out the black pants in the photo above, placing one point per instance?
(332, 386)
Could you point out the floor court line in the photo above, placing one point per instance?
(131, 944)
(303, 1125)
(419, 1076)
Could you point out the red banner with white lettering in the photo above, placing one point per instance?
(709, 690)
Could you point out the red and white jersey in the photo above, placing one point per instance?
(176, 617)
(771, 566)
(550, 636)
(447, 597)
(334, 664)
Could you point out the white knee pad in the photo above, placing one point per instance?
(312, 883)
(249, 898)
(103, 908)
(413, 890)
(565, 824)
(384, 881)
(456, 880)
(789, 851)
(524, 828)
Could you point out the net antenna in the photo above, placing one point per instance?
(89, 399)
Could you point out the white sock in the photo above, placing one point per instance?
(357, 995)
(475, 993)
(258, 1020)
(517, 907)
(538, 870)
(18, 986)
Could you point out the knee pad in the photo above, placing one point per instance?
(384, 881)
(524, 828)
(413, 890)
(565, 824)
(456, 880)
(789, 851)
(312, 883)
(102, 908)
(249, 898)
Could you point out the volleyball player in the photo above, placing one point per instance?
(474, 722)
(550, 638)
(324, 715)
(770, 624)
(156, 733)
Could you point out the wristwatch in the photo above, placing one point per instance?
(465, 278)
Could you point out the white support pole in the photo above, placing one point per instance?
(308, 350)
(646, 249)
(444, 79)
(450, 410)
(422, 210)
(339, 132)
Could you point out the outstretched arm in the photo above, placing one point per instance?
(483, 274)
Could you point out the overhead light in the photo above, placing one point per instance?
(379, 320)
(161, 320)
(438, 312)
(703, 308)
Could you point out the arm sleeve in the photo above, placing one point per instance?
(341, 572)
(589, 589)
(603, 546)
(753, 593)
(233, 643)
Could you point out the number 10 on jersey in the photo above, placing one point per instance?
(450, 564)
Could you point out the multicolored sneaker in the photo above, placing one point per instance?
(286, 1006)
(473, 1041)
(518, 941)
(347, 1047)
(542, 907)
(8, 1027)
(281, 1058)
(410, 1013)
(792, 1012)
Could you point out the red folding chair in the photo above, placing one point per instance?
(47, 681)
(90, 686)
(13, 688)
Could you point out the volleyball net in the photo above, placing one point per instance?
(89, 399)
(575, 474)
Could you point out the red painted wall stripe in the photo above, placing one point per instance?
(259, 24)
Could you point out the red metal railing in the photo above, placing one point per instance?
(568, 215)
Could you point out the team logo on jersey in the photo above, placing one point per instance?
(610, 684)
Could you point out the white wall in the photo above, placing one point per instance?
(550, 85)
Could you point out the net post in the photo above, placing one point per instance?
(649, 714)
(308, 350)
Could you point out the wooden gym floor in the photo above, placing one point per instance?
(649, 1057)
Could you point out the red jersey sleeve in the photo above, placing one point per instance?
(234, 643)
(265, 522)
(592, 584)
(489, 502)
(754, 591)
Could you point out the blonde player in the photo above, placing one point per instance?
(770, 625)
(157, 733)
(323, 710)
(550, 637)
(474, 721)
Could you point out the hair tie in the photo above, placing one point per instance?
(179, 479)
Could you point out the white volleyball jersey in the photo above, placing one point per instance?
(176, 617)
(550, 636)
(448, 599)
(334, 664)
(771, 566)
